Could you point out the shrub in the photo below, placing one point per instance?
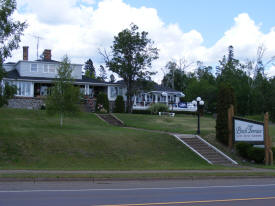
(242, 148)
(158, 107)
(102, 103)
(249, 152)
(256, 154)
(225, 99)
(147, 111)
(119, 105)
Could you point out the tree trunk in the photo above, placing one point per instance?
(129, 97)
(61, 120)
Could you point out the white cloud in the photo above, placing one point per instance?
(271, 71)
(79, 29)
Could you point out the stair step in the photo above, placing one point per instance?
(110, 119)
(206, 151)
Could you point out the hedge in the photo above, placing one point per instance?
(102, 101)
(249, 152)
(119, 105)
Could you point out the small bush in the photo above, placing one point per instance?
(256, 154)
(249, 152)
(119, 105)
(242, 148)
(158, 107)
(102, 103)
(147, 111)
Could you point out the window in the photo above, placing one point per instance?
(23, 88)
(114, 92)
(34, 68)
(51, 68)
(46, 68)
(120, 91)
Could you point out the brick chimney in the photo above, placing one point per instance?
(47, 54)
(25, 53)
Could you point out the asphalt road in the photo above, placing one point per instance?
(214, 192)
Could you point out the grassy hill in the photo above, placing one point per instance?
(32, 140)
(181, 123)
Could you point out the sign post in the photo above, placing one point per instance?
(267, 142)
(244, 130)
(230, 126)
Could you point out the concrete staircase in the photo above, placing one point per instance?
(205, 150)
(111, 119)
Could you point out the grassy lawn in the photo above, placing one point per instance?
(32, 140)
(186, 124)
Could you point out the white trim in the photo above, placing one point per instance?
(217, 150)
(36, 67)
(45, 65)
(192, 149)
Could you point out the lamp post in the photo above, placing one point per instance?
(198, 102)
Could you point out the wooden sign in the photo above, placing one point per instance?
(248, 131)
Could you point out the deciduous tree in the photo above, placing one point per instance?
(10, 33)
(131, 58)
(63, 97)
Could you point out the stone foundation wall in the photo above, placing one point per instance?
(26, 103)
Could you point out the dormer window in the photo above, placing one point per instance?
(51, 68)
(34, 68)
(46, 68)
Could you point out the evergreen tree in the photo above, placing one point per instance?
(225, 99)
(119, 105)
(102, 103)
(89, 69)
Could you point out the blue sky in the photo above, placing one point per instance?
(189, 30)
(211, 17)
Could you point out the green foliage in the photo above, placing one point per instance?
(10, 32)
(256, 154)
(102, 103)
(119, 105)
(243, 148)
(6, 92)
(63, 97)
(89, 69)
(249, 152)
(225, 99)
(33, 140)
(132, 56)
(158, 107)
(90, 74)
(141, 112)
(254, 92)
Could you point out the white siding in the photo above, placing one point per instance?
(9, 67)
(24, 69)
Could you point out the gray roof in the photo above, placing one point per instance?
(156, 87)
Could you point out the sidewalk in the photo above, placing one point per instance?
(238, 170)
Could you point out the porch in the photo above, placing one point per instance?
(143, 101)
